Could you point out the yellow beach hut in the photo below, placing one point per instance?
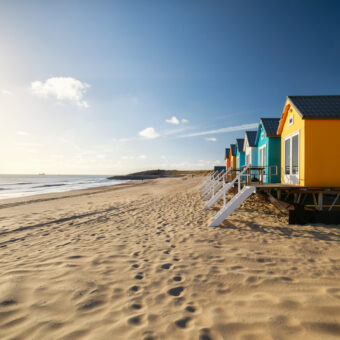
(233, 155)
(310, 141)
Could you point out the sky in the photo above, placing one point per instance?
(112, 87)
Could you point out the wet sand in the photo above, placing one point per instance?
(137, 261)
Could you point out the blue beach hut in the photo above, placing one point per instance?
(269, 149)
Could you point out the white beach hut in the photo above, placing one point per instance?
(250, 148)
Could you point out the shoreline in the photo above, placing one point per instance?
(63, 192)
(8, 202)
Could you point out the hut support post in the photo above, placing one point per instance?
(299, 198)
(336, 198)
(320, 201)
(314, 199)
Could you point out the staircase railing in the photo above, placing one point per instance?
(235, 202)
(238, 180)
(207, 179)
(208, 182)
(216, 179)
(215, 185)
(217, 195)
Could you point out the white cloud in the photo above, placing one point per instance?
(142, 157)
(149, 133)
(6, 93)
(22, 133)
(173, 120)
(184, 121)
(62, 88)
(223, 130)
(211, 139)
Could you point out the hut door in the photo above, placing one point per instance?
(291, 158)
(263, 163)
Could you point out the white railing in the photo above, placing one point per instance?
(214, 185)
(208, 182)
(217, 195)
(236, 179)
(212, 182)
(236, 201)
(207, 179)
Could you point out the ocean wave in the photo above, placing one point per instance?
(19, 183)
(49, 185)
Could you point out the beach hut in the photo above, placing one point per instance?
(233, 156)
(269, 149)
(310, 141)
(233, 159)
(240, 155)
(250, 148)
(227, 158)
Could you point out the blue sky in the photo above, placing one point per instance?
(88, 86)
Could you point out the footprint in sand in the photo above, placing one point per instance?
(166, 266)
(134, 289)
(182, 323)
(177, 278)
(190, 309)
(135, 320)
(175, 291)
(7, 303)
(136, 306)
(205, 334)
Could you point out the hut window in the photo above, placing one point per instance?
(291, 120)
(262, 135)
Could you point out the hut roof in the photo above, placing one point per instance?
(233, 149)
(251, 136)
(270, 126)
(227, 153)
(317, 107)
(240, 142)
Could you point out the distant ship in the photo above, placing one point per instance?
(42, 174)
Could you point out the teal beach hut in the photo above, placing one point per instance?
(269, 149)
(240, 154)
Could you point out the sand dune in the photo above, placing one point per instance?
(137, 261)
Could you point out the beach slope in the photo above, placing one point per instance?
(137, 261)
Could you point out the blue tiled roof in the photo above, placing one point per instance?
(251, 136)
(240, 142)
(227, 152)
(270, 126)
(317, 107)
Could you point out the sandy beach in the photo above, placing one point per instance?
(137, 261)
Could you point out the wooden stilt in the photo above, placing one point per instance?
(320, 201)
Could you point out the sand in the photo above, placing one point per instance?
(137, 261)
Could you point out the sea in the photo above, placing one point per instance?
(12, 186)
